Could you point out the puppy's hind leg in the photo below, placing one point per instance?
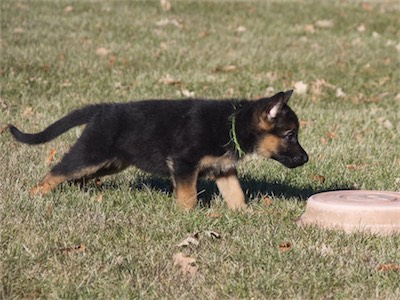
(58, 175)
(47, 184)
(75, 165)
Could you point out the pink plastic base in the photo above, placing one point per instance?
(377, 212)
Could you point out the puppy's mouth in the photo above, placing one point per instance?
(292, 162)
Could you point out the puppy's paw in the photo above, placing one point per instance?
(39, 190)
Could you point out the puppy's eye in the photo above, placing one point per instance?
(291, 136)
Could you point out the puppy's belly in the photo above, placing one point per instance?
(152, 165)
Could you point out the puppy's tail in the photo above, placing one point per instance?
(75, 118)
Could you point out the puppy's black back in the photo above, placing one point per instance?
(147, 133)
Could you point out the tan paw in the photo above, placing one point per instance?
(40, 190)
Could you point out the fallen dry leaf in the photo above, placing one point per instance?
(229, 68)
(352, 167)
(326, 250)
(164, 45)
(340, 93)
(324, 141)
(3, 129)
(212, 234)
(28, 111)
(303, 123)
(318, 85)
(187, 93)
(331, 134)
(390, 43)
(66, 83)
(241, 29)
(204, 34)
(191, 240)
(102, 51)
(316, 88)
(51, 156)
(61, 58)
(309, 28)
(225, 69)
(165, 5)
(112, 60)
(382, 81)
(300, 87)
(267, 200)
(389, 267)
(100, 198)
(387, 124)
(169, 80)
(367, 6)
(22, 6)
(119, 260)
(361, 98)
(269, 91)
(187, 264)
(271, 76)
(284, 247)
(19, 30)
(171, 21)
(69, 9)
(49, 212)
(318, 178)
(4, 104)
(324, 23)
(229, 92)
(73, 250)
(214, 215)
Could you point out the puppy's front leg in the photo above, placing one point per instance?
(186, 192)
(229, 186)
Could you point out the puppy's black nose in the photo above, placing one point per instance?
(301, 159)
(304, 158)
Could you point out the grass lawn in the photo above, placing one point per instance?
(118, 240)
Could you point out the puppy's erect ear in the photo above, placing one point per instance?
(286, 96)
(271, 108)
(275, 109)
(276, 104)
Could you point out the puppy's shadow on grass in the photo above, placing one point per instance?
(253, 188)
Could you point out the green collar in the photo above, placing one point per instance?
(234, 138)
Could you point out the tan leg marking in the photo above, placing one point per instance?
(231, 191)
(186, 193)
(48, 183)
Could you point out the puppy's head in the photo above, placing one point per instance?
(277, 131)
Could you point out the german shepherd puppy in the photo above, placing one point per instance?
(184, 139)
